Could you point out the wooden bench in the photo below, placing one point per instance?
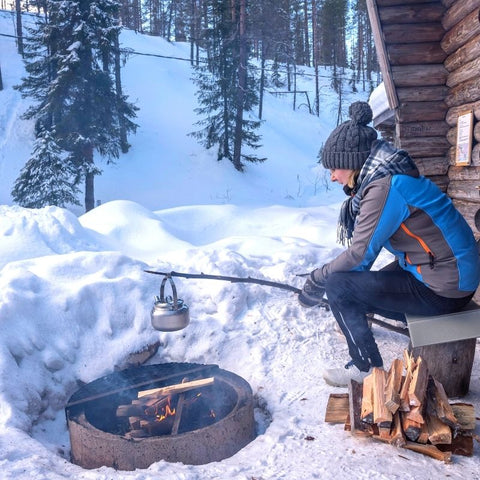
(447, 343)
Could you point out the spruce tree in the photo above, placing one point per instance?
(226, 87)
(70, 64)
(46, 179)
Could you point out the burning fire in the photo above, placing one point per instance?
(165, 411)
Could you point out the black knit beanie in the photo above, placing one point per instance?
(348, 146)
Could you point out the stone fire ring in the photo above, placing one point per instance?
(93, 447)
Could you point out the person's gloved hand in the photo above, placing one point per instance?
(312, 292)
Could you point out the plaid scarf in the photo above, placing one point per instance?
(384, 160)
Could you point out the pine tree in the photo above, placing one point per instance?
(226, 88)
(46, 179)
(70, 59)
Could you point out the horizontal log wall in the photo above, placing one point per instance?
(461, 43)
(412, 32)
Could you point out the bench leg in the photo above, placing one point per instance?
(450, 363)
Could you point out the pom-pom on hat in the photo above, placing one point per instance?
(348, 146)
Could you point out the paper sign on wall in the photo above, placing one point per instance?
(463, 154)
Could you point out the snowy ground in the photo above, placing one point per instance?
(75, 301)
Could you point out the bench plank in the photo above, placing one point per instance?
(431, 330)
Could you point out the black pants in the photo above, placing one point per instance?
(391, 293)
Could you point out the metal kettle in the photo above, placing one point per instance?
(169, 313)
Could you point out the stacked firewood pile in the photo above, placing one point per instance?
(407, 408)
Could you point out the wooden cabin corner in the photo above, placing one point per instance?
(429, 55)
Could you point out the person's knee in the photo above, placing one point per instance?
(336, 285)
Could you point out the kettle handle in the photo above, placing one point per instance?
(174, 291)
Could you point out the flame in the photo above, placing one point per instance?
(164, 412)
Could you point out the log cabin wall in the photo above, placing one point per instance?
(461, 43)
(429, 54)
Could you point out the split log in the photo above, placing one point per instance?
(367, 400)
(129, 411)
(357, 427)
(423, 436)
(178, 413)
(458, 11)
(438, 404)
(178, 388)
(461, 445)
(429, 450)
(464, 413)
(464, 54)
(418, 386)
(462, 32)
(398, 438)
(393, 386)
(438, 432)
(415, 414)
(337, 408)
(381, 415)
(411, 428)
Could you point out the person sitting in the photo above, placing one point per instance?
(390, 205)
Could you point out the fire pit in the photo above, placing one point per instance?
(178, 412)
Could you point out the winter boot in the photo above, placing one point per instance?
(340, 377)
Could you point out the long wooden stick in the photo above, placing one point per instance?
(205, 276)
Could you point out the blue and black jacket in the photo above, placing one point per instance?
(409, 216)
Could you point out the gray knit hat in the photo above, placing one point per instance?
(348, 146)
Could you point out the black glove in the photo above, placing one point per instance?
(312, 292)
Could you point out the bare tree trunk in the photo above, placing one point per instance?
(1, 81)
(316, 54)
(242, 86)
(89, 180)
(124, 145)
(306, 30)
(18, 9)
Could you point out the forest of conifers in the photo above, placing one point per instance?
(237, 47)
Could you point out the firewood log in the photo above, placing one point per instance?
(430, 450)
(418, 386)
(367, 400)
(465, 415)
(439, 405)
(438, 432)
(393, 385)
(398, 436)
(178, 388)
(411, 428)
